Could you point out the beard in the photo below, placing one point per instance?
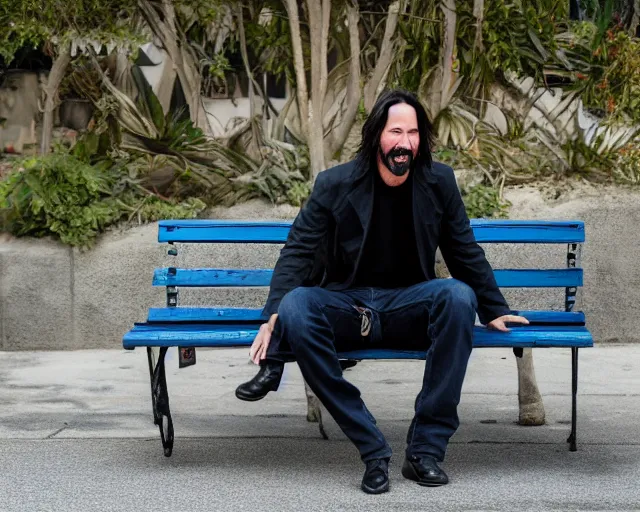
(397, 160)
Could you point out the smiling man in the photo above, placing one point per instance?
(357, 271)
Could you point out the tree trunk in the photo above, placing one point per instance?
(298, 64)
(182, 56)
(529, 398)
(478, 12)
(257, 101)
(449, 41)
(575, 10)
(376, 83)
(60, 64)
(319, 14)
(189, 73)
(311, 112)
(635, 19)
(352, 100)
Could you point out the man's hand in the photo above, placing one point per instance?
(499, 323)
(260, 345)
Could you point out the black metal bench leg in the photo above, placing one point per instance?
(160, 399)
(574, 393)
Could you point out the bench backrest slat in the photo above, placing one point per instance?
(486, 231)
(208, 277)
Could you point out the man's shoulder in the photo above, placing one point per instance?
(442, 172)
(337, 174)
(335, 182)
(443, 178)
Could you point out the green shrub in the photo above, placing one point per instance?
(626, 165)
(153, 208)
(62, 196)
(604, 66)
(298, 192)
(482, 201)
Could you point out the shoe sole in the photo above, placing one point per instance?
(247, 399)
(379, 490)
(410, 474)
(425, 484)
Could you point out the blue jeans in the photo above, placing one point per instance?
(437, 316)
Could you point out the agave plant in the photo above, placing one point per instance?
(147, 134)
(575, 140)
(283, 174)
(453, 120)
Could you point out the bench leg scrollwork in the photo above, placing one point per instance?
(160, 398)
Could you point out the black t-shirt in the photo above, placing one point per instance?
(390, 258)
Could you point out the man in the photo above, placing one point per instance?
(357, 271)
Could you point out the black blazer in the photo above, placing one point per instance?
(325, 243)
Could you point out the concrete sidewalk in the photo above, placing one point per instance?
(76, 434)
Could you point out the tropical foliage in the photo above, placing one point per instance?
(62, 196)
(516, 90)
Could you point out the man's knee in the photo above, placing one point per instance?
(458, 295)
(296, 306)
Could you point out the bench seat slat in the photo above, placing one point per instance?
(212, 335)
(211, 277)
(494, 231)
(204, 314)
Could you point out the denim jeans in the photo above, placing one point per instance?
(436, 316)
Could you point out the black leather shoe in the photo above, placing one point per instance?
(376, 477)
(425, 471)
(267, 379)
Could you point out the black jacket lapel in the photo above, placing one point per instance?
(361, 199)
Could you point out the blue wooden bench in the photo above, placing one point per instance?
(190, 327)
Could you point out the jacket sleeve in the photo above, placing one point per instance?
(465, 259)
(295, 265)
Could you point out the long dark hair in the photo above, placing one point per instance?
(366, 157)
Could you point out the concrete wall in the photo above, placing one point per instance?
(52, 297)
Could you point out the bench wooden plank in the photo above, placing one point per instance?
(220, 231)
(204, 277)
(212, 335)
(204, 314)
(215, 277)
(494, 231)
(534, 232)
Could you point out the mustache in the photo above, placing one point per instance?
(392, 153)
